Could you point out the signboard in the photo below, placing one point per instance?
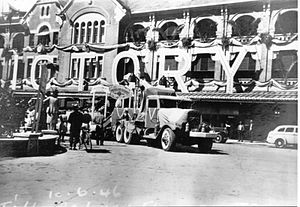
(120, 92)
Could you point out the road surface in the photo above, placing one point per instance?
(137, 175)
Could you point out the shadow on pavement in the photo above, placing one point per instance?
(97, 151)
(191, 149)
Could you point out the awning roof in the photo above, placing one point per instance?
(253, 97)
(142, 6)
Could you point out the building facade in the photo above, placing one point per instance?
(236, 59)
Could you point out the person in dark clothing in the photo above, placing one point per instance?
(76, 120)
(98, 120)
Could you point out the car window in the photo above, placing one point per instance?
(296, 130)
(152, 104)
(289, 129)
(281, 129)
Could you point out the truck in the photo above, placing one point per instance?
(163, 120)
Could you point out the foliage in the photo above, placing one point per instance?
(12, 111)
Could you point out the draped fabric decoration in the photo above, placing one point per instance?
(194, 85)
(83, 48)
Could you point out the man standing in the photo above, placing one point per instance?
(251, 130)
(75, 119)
(240, 131)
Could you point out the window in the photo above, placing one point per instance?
(47, 11)
(42, 11)
(202, 67)
(76, 33)
(169, 31)
(29, 65)
(75, 68)
(102, 24)
(89, 28)
(31, 40)
(287, 23)
(44, 36)
(242, 28)
(20, 74)
(171, 63)
(285, 65)
(152, 104)
(281, 130)
(205, 29)
(55, 38)
(167, 103)
(89, 32)
(95, 30)
(82, 32)
(289, 129)
(18, 42)
(92, 67)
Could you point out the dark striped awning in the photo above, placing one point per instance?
(253, 97)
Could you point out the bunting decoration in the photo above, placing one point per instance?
(194, 85)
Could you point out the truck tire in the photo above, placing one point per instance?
(205, 145)
(119, 133)
(129, 137)
(168, 139)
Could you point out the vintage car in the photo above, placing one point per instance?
(283, 135)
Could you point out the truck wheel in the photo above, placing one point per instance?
(168, 139)
(205, 145)
(119, 133)
(128, 137)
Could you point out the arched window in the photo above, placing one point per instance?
(76, 33)
(89, 28)
(169, 31)
(18, 42)
(82, 32)
(1, 41)
(42, 11)
(47, 11)
(44, 35)
(136, 33)
(102, 28)
(205, 29)
(287, 23)
(245, 26)
(89, 32)
(95, 29)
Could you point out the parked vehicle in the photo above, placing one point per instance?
(163, 120)
(283, 135)
(222, 134)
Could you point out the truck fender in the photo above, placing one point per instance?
(163, 128)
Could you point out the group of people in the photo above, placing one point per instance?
(241, 131)
(80, 125)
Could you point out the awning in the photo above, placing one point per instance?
(253, 97)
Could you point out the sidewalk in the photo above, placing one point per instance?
(248, 142)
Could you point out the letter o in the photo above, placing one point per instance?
(33, 68)
(126, 54)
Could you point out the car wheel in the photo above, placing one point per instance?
(119, 133)
(218, 139)
(168, 139)
(279, 143)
